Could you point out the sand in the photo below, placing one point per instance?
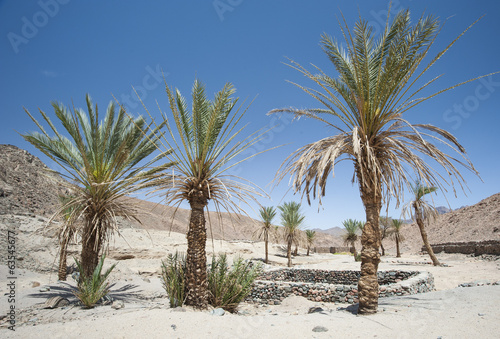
(449, 312)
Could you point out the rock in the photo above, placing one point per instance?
(218, 312)
(35, 284)
(45, 289)
(174, 327)
(56, 302)
(117, 304)
(320, 329)
(315, 309)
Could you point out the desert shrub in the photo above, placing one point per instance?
(228, 286)
(93, 288)
(357, 257)
(173, 278)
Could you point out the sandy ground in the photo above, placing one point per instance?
(450, 312)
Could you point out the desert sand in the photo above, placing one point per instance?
(449, 312)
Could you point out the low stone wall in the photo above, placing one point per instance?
(333, 286)
(471, 247)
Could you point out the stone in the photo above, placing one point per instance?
(117, 304)
(55, 302)
(320, 329)
(315, 309)
(35, 284)
(218, 312)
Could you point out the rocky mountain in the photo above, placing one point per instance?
(26, 185)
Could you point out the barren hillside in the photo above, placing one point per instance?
(472, 223)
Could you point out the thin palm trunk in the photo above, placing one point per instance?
(423, 233)
(382, 248)
(308, 247)
(63, 254)
(196, 264)
(354, 249)
(266, 240)
(296, 251)
(398, 253)
(289, 253)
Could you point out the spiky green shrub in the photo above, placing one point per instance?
(228, 286)
(173, 278)
(94, 288)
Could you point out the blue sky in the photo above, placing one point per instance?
(59, 50)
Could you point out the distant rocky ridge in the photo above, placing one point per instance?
(26, 185)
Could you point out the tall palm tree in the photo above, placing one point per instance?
(395, 233)
(311, 236)
(267, 215)
(385, 224)
(421, 211)
(101, 159)
(205, 147)
(291, 220)
(377, 82)
(351, 236)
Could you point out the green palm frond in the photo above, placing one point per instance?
(205, 146)
(100, 159)
(379, 79)
(352, 226)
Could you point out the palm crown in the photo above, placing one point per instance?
(101, 160)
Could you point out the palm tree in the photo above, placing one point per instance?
(311, 236)
(267, 215)
(101, 159)
(419, 210)
(395, 233)
(385, 224)
(377, 82)
(291, 220)
(205, 148)
(351, 236)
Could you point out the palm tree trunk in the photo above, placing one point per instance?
(289, 253)
(354, 250)
(371, 196)
(296, 251)
(91, 246)
(398, 254)
(63, 260)
(308, 247)
(196, 258)
(428, 247)
(382, 248)
(266, 240)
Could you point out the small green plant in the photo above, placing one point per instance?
(357, 257)
(94, 288)
(228, 286)
(173, 278)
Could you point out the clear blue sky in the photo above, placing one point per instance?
(60, 49)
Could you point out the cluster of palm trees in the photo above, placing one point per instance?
(292, 220)
(378, 80)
